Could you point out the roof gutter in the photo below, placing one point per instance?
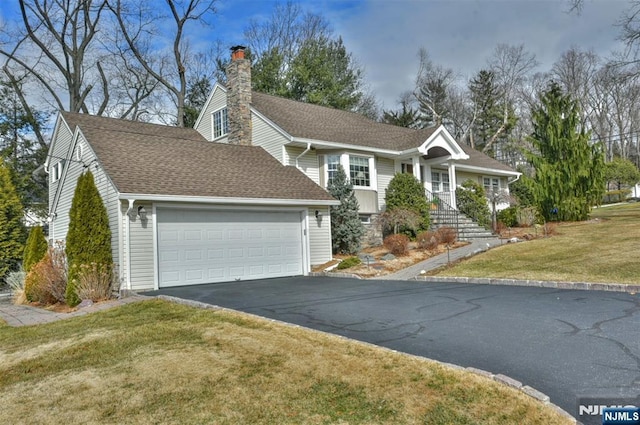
(303, 154)
(229, 201)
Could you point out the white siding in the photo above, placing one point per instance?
(386, 171)
(141, 248)
(59, 153)
(320, 236)
(308, 163)
(217, 101)
(266, 136)
(109, 195)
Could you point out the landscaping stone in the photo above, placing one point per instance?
(532, 392)
(388, 257)
(508, 381)
(85, 304)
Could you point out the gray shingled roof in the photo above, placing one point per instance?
(154, 159)
(316, 122)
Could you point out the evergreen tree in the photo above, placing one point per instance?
(35, 249)
(406, 192)
(346, 227)
(197, 93)
(89, 237)
(489, 106)
(406, 116)
(472, 202)
(569, 171)
(12, 230)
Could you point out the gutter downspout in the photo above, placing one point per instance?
(303, 154)
(127, 242)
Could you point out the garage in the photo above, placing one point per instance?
(197, 246)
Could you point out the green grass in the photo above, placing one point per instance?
(603, 249)
(157, 362)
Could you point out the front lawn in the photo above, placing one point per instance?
(158, 362)
(603, 249)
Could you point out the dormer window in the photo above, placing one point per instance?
(220, 123)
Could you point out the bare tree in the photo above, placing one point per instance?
(142, 25)
(55, 46)
(433, 83)
(511, 66)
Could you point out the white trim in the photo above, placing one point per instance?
(345, 146)
(227, 201)
(306, 242)
(121, 242)
(128, 239)
(345, 158)
(442, 138)
(156, 263)
(484, 170)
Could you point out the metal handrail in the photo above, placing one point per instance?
(443, 206)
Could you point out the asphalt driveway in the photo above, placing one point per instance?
(565, 343)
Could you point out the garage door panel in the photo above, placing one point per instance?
(205, 246)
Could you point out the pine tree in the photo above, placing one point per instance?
(12, 230)
(569, 171)
(89, 237)
(346, 227)
(35, 249)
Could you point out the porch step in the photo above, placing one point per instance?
(467, 228)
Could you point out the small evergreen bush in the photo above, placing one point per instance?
(35, 249)
(12, 230)
(427, 240)
(349, 262)
(397, 244)
(509, 216)
(447, 235)
(472, 202)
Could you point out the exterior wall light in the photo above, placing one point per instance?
(142, 213)
(318, 214)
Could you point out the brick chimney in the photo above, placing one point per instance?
(239, 97)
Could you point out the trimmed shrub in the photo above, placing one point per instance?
(349, 262)
(509, 216)
(472, 202)
(35, 249)
(427, 240)
(405, 191)
(96, 282)
(613, 196)
(47, 281)
(89, 236)
(447, 235)
(397, 244)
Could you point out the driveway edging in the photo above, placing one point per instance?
(583, 286)
(499, 378)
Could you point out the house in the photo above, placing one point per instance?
(241, 196)
(316, 139)
(186, 211)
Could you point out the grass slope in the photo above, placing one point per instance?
(157, 362)
(603, 249)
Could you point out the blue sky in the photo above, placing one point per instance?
(385, 35)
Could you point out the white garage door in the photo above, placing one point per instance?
(205, 246)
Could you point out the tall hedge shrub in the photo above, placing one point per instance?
(89, 237)
(35, 249)
(12, 230)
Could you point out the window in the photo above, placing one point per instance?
(491, 184)
(407, 168)
(440, 181)
(220, 123)
(333, 161)
(359, 171)
(56, 171)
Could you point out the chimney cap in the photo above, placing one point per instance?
(238, 47)
(237, 52)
